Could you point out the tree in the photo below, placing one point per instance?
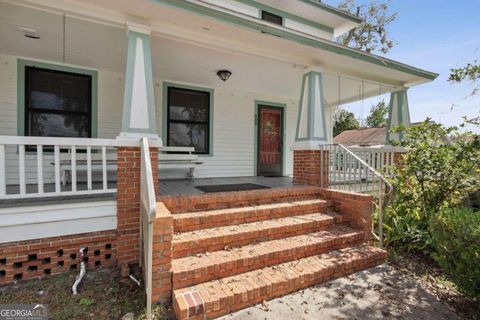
(372, 34)
(470, 72)
(377, 116)
(344, 120)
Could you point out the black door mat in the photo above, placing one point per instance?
(231, 187)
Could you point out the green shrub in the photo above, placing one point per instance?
(440, 170)
(456, 241)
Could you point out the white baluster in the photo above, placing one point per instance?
(57, 169)
(40, 168)
(21, 168)
(104, 167)
(89, 168)
(74, 167)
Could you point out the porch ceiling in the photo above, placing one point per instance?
(102, 44)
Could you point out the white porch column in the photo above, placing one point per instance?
(398, 114)
(138, 118)
(311, 124)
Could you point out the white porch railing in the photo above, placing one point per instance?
(349, 171)
(36, 166)
(148, 211)
(380, 159)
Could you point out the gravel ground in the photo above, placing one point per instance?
(377, 293)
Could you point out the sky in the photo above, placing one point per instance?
(436, 35)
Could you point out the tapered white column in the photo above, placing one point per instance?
(398, 114)
(138, 118)
(311, 125)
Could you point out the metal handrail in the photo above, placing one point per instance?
(148, 212)
(353, 165)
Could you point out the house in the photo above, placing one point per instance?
(366, 137)
(236, 91)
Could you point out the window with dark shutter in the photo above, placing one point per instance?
(188, 118)
(57, 103)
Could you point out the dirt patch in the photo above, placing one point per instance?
(432, 279)
(101, 295)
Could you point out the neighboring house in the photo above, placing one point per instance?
(364, 137)
(250, 85)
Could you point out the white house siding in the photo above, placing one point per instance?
(234, 133)
(233, 127)
(35, 222)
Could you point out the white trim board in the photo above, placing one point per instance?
(36, 222)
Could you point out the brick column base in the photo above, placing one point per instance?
(128, 201)
(307, 167)
(162, 256)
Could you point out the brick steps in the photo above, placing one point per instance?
(215, 265)
(223, 200)
(208, 240)
(219, 297)
(186, 222)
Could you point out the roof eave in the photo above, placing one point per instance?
(297, 37)
(333, 10)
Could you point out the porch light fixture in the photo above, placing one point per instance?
(224, 75)
(29, 32)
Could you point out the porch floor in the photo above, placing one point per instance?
(188, 187)
(167, 187)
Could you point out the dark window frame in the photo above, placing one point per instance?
(29, 109)
(272, 18)
(207, 122)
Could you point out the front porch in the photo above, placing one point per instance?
(105, 105)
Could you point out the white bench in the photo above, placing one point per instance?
(168, 158)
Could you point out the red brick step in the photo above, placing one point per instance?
(215, 265)
(219, 297)
(231, 216)
(189, 243)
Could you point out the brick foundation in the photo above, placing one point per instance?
(128, 201)
(307, 167)
(22, 260)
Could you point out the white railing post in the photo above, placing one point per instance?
(147, 218)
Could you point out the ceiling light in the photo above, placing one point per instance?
(29, 32)
(224, 75)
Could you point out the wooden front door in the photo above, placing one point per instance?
(270, 141)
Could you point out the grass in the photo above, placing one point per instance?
(101, 295)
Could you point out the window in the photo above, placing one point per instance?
(273, 18)
(57, 103)
(188, 119)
